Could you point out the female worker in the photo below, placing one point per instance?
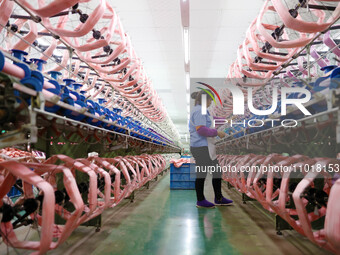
(202, 148)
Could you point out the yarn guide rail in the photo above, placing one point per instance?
(81, 124)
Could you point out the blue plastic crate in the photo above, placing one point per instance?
(185, 156)
(182, 185)
(183, 177)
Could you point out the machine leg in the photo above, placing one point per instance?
(132, 197)
(281, 224)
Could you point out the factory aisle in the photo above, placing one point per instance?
(167, 222)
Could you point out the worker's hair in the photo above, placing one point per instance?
(197, 96)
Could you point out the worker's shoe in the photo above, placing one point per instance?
(204, 204)
(223, 201)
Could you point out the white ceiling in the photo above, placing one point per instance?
(217, 27)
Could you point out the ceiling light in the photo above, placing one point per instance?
(187, 81)
(186, 38)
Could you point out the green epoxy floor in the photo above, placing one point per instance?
(172, 225)
(163, 221)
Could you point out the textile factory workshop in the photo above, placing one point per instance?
(170, 127)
